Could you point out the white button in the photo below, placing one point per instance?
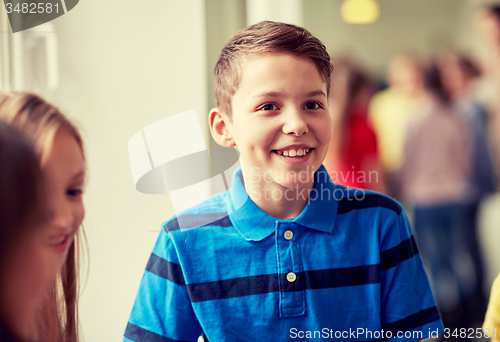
(291, 277)
(288, 235)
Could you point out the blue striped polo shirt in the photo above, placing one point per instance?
(346, 268)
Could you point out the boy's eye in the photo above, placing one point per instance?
(312, 105)
(269, 106)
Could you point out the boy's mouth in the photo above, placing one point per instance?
(293, 153)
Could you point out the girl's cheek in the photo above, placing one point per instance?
(80, 215)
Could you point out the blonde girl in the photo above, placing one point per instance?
(59, 150)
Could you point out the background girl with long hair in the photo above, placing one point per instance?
(59, 150)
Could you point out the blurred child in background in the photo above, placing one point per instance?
(390, 110)
(434, 179)
(59, 149)
(353, 158)
(488, 91)
(458, 73)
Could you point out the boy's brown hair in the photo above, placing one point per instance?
(266, 36)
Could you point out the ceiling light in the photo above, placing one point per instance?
(360, 11)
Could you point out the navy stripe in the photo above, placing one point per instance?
(136, 333)
(340, 277)
(319, 279)
(393, 256)
(348, 204)
(165, 269)
(189, 221)
(413, 321)
(236, 287)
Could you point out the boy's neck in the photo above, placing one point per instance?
(278, 201)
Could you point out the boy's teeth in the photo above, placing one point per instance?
(293, 153)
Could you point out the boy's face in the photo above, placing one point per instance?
(280, 120)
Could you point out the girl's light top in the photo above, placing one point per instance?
(492, 319)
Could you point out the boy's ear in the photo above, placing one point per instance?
(219, 128)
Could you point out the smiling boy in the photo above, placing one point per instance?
(287, 254)
(279, 121)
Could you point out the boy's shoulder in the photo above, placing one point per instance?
(372, 215)
(210, 212)
(353, 199)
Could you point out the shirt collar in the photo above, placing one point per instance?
(255, 225)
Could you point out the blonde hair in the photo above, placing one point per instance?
(39, 121)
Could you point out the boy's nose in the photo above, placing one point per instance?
(295, 123)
